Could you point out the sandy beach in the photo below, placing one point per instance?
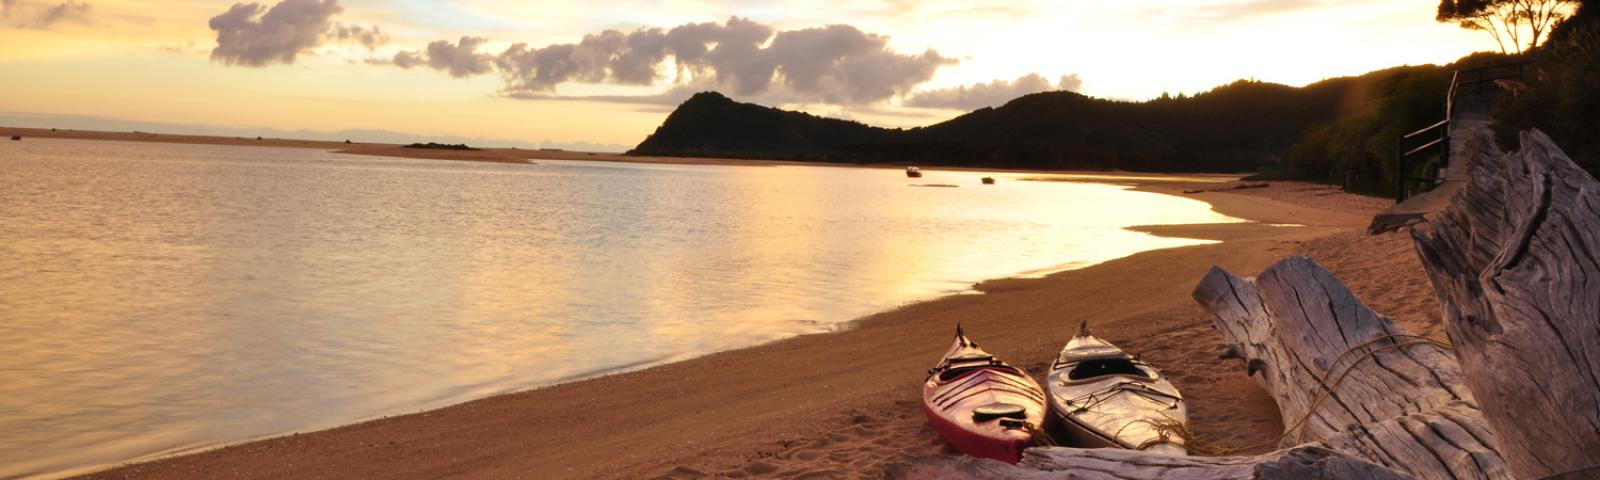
(843, 404)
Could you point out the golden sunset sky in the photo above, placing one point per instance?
(456, 69)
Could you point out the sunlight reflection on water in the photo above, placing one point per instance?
(157, 297)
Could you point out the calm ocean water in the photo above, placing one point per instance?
(157, 297)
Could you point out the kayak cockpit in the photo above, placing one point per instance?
(1096, 368)
(992, 411)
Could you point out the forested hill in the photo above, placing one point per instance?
(1236, 127)
(712, 125)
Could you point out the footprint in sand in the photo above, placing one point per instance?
(760, 468)
(682, 473)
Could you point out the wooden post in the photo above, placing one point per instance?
(1515, 261)
(1444, 146)
(1400, 170)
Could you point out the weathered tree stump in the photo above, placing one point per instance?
(1515, 261)
(1361, 385)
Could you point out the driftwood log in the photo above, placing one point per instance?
(1359, 384)
(1301, 463)
(1514, 261)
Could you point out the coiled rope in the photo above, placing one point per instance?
(1040, 437)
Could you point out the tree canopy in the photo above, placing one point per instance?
(1520, 24)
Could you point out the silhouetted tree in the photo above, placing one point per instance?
(1561, 99)
(1508, 21)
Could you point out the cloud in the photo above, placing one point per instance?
(461, 60)
(404, 60)
(842, 65)
(370, 37)
(998, 92)
(253, 35)
(635, 58)
(835, 64)
(39, 16)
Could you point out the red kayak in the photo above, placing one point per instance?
(980, 405)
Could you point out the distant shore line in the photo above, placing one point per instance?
(510, 155)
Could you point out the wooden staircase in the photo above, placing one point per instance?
(1467, 106)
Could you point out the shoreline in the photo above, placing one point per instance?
(685, 404)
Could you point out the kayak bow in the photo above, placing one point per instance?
(980, 405)
(1101, 397)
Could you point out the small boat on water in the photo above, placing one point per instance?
(1102, 397)
(16, 137)
(982, 406)
(913, 172)
(988, 180)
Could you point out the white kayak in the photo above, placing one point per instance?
(1101, 397)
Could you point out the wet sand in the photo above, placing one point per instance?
(840, 405)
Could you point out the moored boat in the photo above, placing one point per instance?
(980, 405)
(1102, 397)
(913, 172)
(988, 180)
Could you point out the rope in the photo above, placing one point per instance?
(1170, 427)
(1193, 442)
(1382, 338)
(1040, 437)
(1328, 393)
(1083, 403)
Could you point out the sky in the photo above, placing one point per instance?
(603, 74)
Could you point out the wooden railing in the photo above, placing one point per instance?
(1435, 138)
